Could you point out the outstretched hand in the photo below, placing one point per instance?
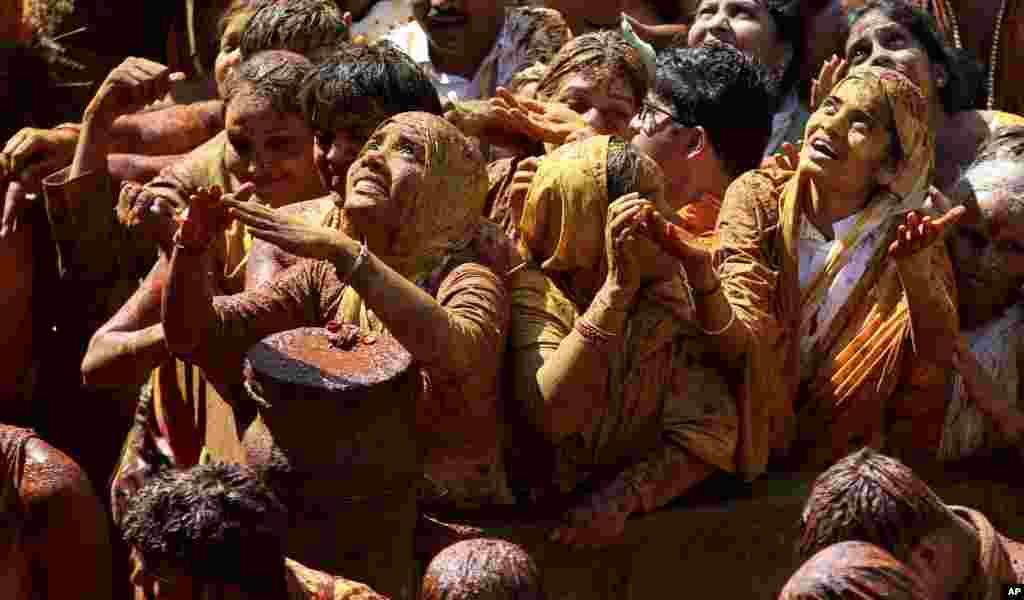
(132, 85)
(918, 232)
(831, 73)
(548, 122)
(291, 234)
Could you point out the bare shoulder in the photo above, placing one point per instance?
(50, 475)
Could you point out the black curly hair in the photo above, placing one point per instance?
(965, 74)
(361, 86)
(732, 96)
(310, 27)
(220, 523)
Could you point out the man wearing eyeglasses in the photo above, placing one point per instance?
(706, 121)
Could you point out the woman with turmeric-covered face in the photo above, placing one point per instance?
(405, 253)
(828, 289)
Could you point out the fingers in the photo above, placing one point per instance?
(951, 217)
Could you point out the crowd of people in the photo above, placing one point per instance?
(630, 250)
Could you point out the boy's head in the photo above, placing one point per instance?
(353, 91)
(482, 569)
(269, 142)
(212, 524)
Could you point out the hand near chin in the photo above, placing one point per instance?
(919, 232)
(290, 234)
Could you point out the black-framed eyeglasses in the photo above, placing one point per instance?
(647, 124)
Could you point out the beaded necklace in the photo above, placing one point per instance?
(993, 57)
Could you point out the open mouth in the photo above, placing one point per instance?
(821, 146)
(369, 185)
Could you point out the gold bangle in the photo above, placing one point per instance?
(732, 319)
(593, 333)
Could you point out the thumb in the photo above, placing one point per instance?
(951, 217)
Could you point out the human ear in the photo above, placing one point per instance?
(697, 143)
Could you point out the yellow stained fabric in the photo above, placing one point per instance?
(862, 355)
(662, 403)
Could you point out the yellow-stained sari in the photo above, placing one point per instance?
(867, 384)
(662, 407)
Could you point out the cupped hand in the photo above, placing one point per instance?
(139, 206)
(919, 232)
(32, 154)
(205, 217)
(132, 85)
(633, 259)
(831, 73)
(519, 187)
(291, 234)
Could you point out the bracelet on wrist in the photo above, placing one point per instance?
(593, 333)
(364, 252)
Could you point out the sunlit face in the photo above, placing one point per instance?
(877, 40)
(459, 26)
(270, 149)
(391, 169)
(229, 55)
(848, 139)
(988, 254)
(607, 105)
(745, 24)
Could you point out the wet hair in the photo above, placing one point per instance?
(234, 9)
(630, 170)
(854, 571)
(309, 27)
(219, 523)
(532, 74)
(364, 85)
(605, 54)
(965, 74)
(998, 168)
(482, 569)
(874, 498)
(543, 31)
(275, 75)
(729, 94)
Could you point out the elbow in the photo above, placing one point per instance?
(96, 367)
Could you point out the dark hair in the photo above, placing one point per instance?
(218, 522)
(275, 75)
(591, 53)
(729, 94)
(965, 75)
(309, 27)
(364, 85)
(789, 22)
(482, 569)
(629, 170)
(542, 31)
(873, 498)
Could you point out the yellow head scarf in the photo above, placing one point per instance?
(444, 214)
(909, 112)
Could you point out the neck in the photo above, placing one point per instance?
(825, 214)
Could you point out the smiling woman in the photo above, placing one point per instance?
(822, 282)
(428, 272)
